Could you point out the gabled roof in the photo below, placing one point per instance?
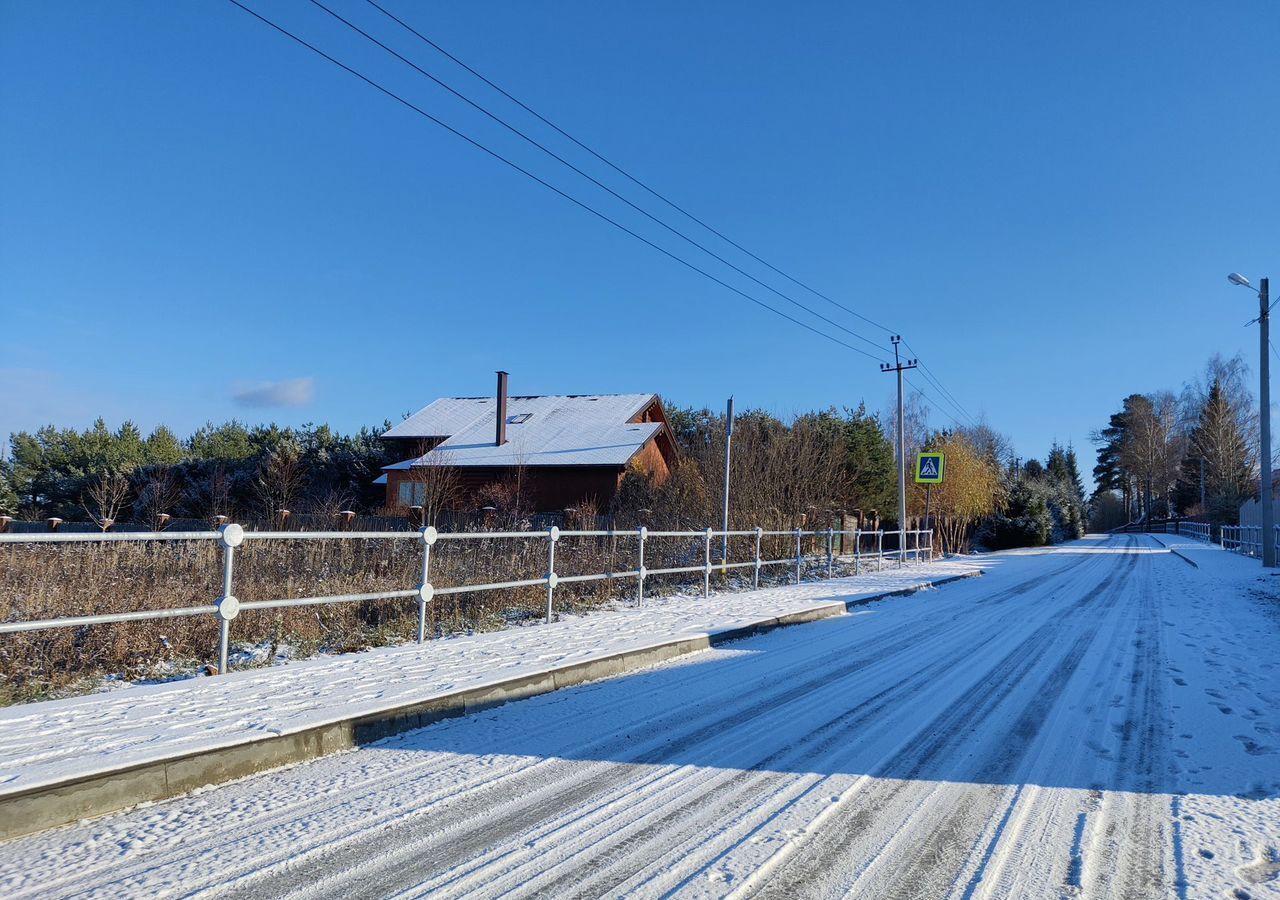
(574, 430)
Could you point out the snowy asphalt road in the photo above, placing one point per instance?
(1099, 720)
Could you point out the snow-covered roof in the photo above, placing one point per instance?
(575, 430)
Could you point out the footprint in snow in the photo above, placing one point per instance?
(1265, 867)
(1252, 747)
(1180, 682)
(1225, 710)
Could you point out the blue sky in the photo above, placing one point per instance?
(200, 219)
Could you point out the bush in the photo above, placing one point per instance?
(1026, 520)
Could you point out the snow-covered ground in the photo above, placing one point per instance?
(1099, 720)
(45, 743)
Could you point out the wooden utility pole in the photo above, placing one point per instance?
(1264, 402)
(900, 366)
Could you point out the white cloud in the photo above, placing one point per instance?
(294, 392)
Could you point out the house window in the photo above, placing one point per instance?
(412, 493)
(519, 418)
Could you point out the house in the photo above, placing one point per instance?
(562, 450)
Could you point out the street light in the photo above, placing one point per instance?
(1264, 402)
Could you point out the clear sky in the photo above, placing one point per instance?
(200, 219)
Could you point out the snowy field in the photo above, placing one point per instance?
(1099, 720)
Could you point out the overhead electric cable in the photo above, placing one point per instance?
(604, 187)
(919, 390)
(621, 171)
(478, 145)
(933, 378)
(938, 383)
(943, 392)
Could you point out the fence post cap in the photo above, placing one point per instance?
(643, 532)
(759, 531)
(228, 607)
(232, 534)
(429, 535)
(426, 592)
(554, 533)
(552, 579)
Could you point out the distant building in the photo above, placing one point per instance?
(562, 449)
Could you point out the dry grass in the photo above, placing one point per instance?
(42, 581)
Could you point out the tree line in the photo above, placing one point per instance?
(1192, 453)
(817, 469)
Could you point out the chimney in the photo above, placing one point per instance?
(501, 437)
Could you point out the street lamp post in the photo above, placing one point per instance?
(1268, 539)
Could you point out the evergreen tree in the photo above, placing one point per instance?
(163, 447)
(8, 495)
(869, 462)
(1218, 440)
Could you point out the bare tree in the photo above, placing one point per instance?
(104, 497)
(158, 496)
(1153, 447)
(435, 486)
(279, 481)
(219, 493)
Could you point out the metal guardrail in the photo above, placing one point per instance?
(1246, 539)
(912, 546)
(1201, 531)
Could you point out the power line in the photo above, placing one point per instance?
(422, 112)
(919, 390)
(604, 187)
(621, 171)
(947, 394)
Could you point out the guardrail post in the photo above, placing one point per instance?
(640, 566)
(231, 536)
(553, 535)
(797, 556)
(425, 590)
(755, 578)
(879, 550)
(706, 567)
(830, 538)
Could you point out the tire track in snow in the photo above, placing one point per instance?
(452, 837)
(1132, 858)
(359, 787)
(835, 848)
(213, 836)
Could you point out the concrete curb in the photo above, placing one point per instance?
(1169, 547)
(1184, 558)
(50, 805)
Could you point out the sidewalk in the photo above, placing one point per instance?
(67, 759)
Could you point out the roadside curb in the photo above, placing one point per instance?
(1184, 557)
(1179, 554)
(83, 797)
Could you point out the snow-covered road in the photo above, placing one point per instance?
(1099, 720)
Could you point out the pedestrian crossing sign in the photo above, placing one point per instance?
(929, 468)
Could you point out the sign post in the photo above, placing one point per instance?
(929, 470)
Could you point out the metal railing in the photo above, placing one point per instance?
(1246, 539)
(1201, 531)
(911, 546)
